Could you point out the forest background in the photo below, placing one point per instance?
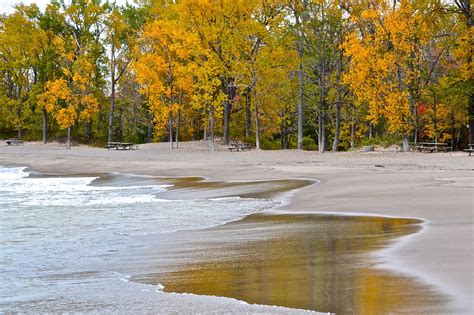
(307, 74)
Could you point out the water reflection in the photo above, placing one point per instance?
(317, 262)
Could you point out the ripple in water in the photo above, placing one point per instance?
(59, 237)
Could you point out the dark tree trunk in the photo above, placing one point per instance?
(453, 131)
(471, 118)
(226, 121)
(415, 122)
(149, 132)
(435, 121)
(120, 124)
(300, 105)
(465, 9)
(195, 130)
(257, 122)
(19, 114)
(45, 126)
(20, 131)
(323, 136)
(352, 130)
(88, 129)
(284, 136)
(68, 143)
(211, 129)
(335, 143)
(248, 113)
(229, 89)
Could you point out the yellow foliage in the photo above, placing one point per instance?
(386, 57)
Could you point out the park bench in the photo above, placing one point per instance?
(14, 142)
(432, 147)
(471, 148)
(235, 146)
(121, 146)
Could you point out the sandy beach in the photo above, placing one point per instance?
(437, 188)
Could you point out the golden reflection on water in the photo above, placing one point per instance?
(317, 262)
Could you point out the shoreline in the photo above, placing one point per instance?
(408, 256)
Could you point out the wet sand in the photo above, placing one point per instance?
(314, 262)
(437, 188)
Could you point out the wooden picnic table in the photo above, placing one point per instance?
(432, 147)
(121, 146)
(471, 148)
(14, 141)
(235, 146)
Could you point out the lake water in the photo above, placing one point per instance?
(113, 243)
(61, 238)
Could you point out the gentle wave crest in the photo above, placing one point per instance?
(63, 234)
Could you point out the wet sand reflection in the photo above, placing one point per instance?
(316, 262)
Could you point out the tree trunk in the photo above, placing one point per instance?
(120, 124)
(195, 128)
(406, 143)
(415, 122)
(177, 128)
(300, 105)
(248, 113)
(229, 89)
(323, 131)
(335, 143)
(465, 9)
(453, 131)
(320, 141)
(324, 136)
(471, 118)
(435, 121)
(170, 126)
(149, 132)
(257, 123)
(226, 121)
(352, 131)
(68, 143)
(45, 126)
(112, 95)
(284, 136)
(88, 129)
(211, 129)
(20, 129)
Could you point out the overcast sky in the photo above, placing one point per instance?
(6, 6)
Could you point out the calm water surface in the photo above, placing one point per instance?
(315, 262)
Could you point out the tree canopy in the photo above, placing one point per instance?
(279, 73)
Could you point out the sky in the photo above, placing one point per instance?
(6, 6)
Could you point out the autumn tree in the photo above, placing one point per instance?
(22, 49)
(386, 58)
(464, 55)
(220, 28)
(73, 96)
(123, 25)
(164, 70)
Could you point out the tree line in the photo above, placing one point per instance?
(306, 74)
